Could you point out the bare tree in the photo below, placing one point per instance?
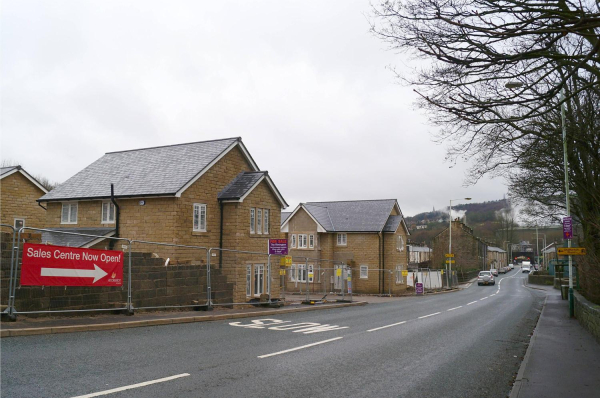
(491, 79)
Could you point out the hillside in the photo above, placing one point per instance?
(482, 217)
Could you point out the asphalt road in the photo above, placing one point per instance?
(463, 344)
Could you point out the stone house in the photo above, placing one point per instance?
(210, 194)
(368, 235)
(18, 194)
(496, 257)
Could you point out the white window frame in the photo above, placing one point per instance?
(399, 277)
(311, 270)
(293, 243)
(252, 220)
(311, 241)
(400, 243)
(259, 221)
(301, 276)
(364, 272)
(266, 221)
(302, 241)
(15, 222)
(70, 206)
(342, 239)
(198, 208)
(248, 280)
(107, 219)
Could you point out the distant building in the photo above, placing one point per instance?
(419, 254)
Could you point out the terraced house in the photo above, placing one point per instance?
(368, 235)
(210, 194)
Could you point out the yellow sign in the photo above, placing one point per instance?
(404, 272)
(442, 272)
(349, 278)
(450, 261)
(311, 275)
(570, 251)
(282, 261)
(338, 272)
(449, 255)
(288, 261)
(281, 272)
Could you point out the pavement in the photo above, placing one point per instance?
(563, 359)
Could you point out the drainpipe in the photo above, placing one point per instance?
(39, 204)
(117, 212)
(383, 262)
(221, 236)
(379, 261)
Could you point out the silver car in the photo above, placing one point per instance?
(485, 278)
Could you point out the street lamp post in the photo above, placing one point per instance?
(449, 263)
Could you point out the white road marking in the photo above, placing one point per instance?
(138, 385)
(491, 295)
(299, 348)
(485, 298)
(455, 308)
(426, 316)
(472, 302)
(387, 326)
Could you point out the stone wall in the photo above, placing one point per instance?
(18, 197)
(540, 279)
(588, 314)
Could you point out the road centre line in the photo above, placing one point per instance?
(298, 348)
(386, 326)
(426, 316)
(455, 308)
(138, 385)
(485, 298)
(472, 302)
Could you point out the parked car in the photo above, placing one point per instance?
(526, 266)
(511, 266)
(503, 270)
(494, 271)
(485, 278)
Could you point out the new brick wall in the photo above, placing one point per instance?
(18, 197)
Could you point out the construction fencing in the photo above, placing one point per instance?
(156, 275)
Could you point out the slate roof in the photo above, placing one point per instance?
(61, 239)
(158, 171)
(392, 224)
(285, 215)
(352, 216)
(4, 170)
(240, 185)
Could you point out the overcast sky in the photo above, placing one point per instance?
(304, 84)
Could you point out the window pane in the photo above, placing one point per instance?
(111, 216)
(73, 216)
(252, 218)
(203, 217)
(266, 226)
(104, 212)
(196, 217)
(259, 221)
(65, 213)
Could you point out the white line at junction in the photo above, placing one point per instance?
(455, 308)
(299, 348)
(138, 385)
(386, 326)
(427, 316)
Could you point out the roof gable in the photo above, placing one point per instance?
(158, 171)
(244, 183)
(10, 170)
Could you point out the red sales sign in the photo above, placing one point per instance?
(47, 265)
